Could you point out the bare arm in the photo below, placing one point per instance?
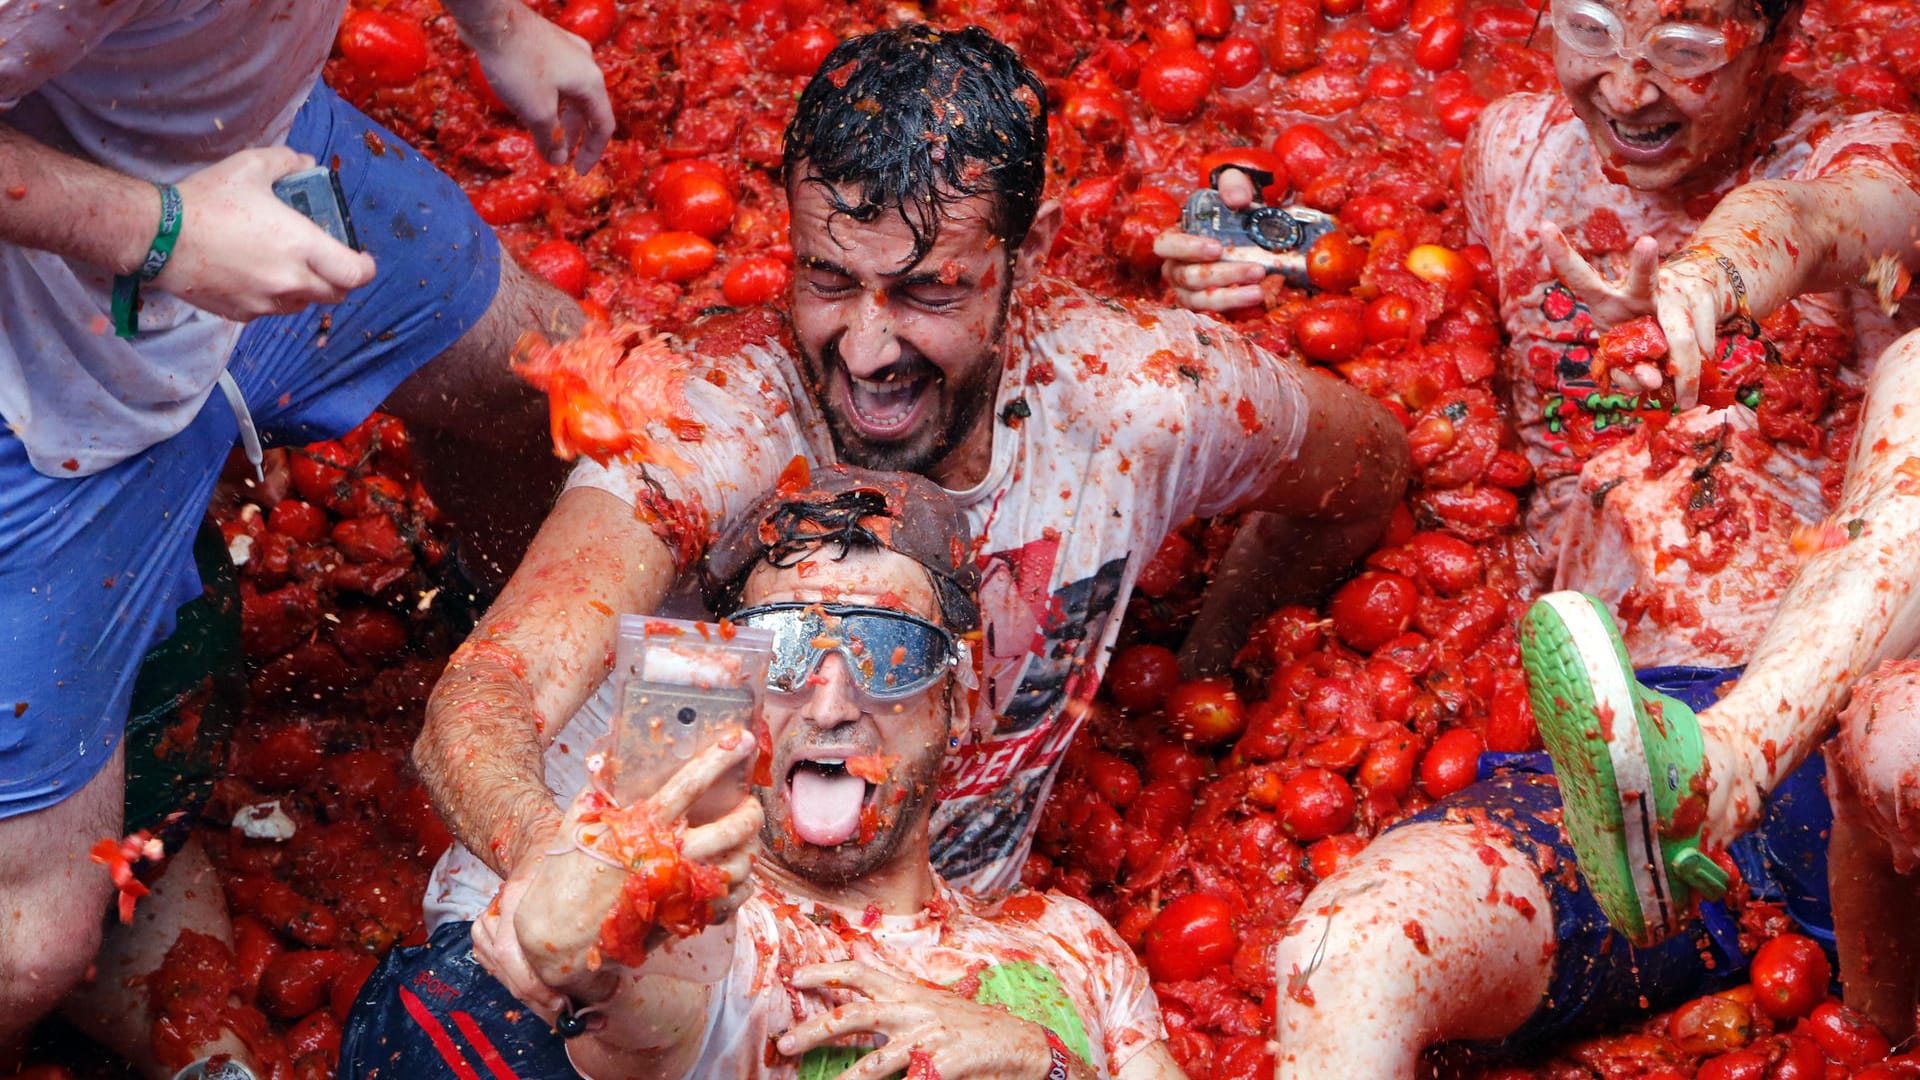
(544, 74)
(241, 252)
(529, 665)
(1850, 606)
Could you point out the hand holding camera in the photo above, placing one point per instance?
(1229, 242)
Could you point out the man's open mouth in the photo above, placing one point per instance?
(824, 801)
(886, 408)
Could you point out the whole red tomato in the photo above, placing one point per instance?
(590, 19)
(1846, 1036)
(1790, 976)
(1451, 763)
(761, 279)
(1713, 1024)
(1744, 1064)
(1175, 82)
(1190, 937)
(798, 53)
(1329, 333)
(676, 256)
(561, 263)
(1372, 609)
(298, 520)
(1316, 804)
(1447, 564)
(1387, 770)
(1112, 778)
(1236, 61)
(696, 203)
(1388, 15)
(1307, 152)
(321, 470)
(1171, 568)
(1388, 318)
(1334, 263)
(1458, 115)
(1211, 18)
(297, 982)
(1151, 213)
(1389, 81)
(1440, 43)
(384, 48)
(1140, 677)
(507, 202)
(1206, 712)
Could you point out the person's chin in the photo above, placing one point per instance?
(836, 865)
(1646, 156)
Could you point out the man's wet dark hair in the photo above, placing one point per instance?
(918, 118)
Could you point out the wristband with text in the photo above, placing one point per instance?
(126, 287)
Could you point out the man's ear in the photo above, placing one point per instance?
(1031, 260)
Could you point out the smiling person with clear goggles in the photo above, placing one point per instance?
(891, 655)
(1678, 50)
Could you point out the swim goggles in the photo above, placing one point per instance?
(891, 654)
(1677, 50)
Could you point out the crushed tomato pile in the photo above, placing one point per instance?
(1195, 816)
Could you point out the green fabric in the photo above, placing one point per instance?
(187, 696)
(1023, 988)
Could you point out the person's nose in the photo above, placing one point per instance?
(1628, 86)
(835, 699)
(870, 345)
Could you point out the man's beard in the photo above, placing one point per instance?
(836, 866)
(961, 405)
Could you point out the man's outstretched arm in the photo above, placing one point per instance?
(528, 666)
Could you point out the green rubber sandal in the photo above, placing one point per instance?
(1643, 863)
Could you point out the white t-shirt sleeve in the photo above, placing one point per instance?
(749, 420)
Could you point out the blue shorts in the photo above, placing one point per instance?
(1599, 980)
(92, 568)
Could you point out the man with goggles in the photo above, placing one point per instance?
(1678, 175)
(846, 938)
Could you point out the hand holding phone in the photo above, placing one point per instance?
(316, 194)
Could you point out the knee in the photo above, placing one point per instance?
(1877, 756)
(45, 951)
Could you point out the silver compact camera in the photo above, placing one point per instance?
(1285, 232)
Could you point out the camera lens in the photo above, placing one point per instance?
(686, 715)
(1274, 228)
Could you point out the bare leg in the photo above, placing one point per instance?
(52, 899)
(481, 434)
(1873, 863)
(115, 1009)
(1848, 608)
(1438, 931)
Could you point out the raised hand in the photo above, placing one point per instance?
(1207, 276)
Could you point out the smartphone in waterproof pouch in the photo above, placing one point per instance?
(315, 193)
(679, 685)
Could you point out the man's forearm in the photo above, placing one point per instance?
(486, 21)
(52, 201)
(1790, 237)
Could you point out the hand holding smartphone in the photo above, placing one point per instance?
(316, 194)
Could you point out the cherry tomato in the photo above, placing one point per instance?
(563, 264)
(1206, 712)
(1388, 15)
(1441, 266)
(1790, 976)
(1458, 115)
(696, 203)
(298, 520)
(1326, 857)
(1175, 765)
(369, 635)
(507, 202)
(1371, 609)
(1175, 82)
(1387, 770)
(1334, 263)
(676, 256)
(1440, 43)
(1236, 61)
(1211, 18)
(1173, 564)
(384, 48)
(1099, 117)
(1329, 333)
(1190, 937)
(799, 53)
(1451, 763)
(761, 279)
(1735, 1065)
(1844, 1035)
(1388, 318)
(1307, 152)
(1713, 1024)
(589, 19)
(1315, 804)
(1293, 37)
(1153, 212)
(317, 1033)
(1140, 677)
(1113, 778)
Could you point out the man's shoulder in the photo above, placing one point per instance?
(1100, 345)
(1052, 917)
(731, 332)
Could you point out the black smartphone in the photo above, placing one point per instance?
(315, 193)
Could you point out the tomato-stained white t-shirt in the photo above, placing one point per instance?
(1114, 423)
(1045, 958)
(1620, 511)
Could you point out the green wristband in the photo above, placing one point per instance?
(126, 287)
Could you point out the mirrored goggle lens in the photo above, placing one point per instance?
(890, 654)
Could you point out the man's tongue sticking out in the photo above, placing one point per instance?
(823, 804)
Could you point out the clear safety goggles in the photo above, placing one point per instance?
(1676, 50)
(891, 654)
